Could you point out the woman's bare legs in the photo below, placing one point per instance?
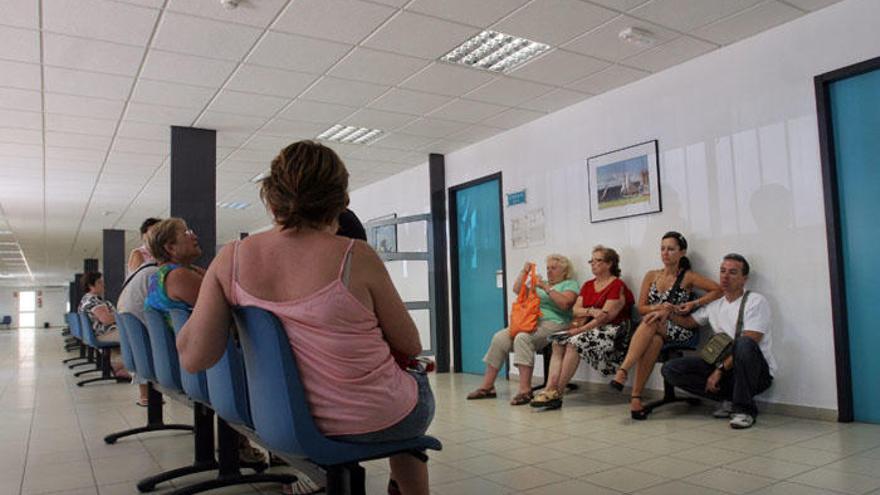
(638, 345)
(489, 377)
(525, 378)
(570, 362)
(644, 369)
(555, 366)
(410, 473)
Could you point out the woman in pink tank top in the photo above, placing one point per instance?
(339, 308)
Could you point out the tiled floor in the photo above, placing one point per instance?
(51, 436)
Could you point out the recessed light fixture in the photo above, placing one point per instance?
(8, 243)
(5, 232)
(341, 133)
(638, 36)
(233, 205)
(495, 52)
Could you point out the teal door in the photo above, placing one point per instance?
(855, 122)
(478, 259)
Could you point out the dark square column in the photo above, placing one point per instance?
(437, 174)
(194, 184)
(90, 265)
(114, 263)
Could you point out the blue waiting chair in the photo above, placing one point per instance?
(130, 329)
(7, 321)
(103, 350)
(76, 335)
(281, 415)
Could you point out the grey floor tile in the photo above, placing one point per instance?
(838, 481)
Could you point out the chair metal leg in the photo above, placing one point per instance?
(669, 397)
(105, 369)
(203, 446)
(155, 421)
(83, 372)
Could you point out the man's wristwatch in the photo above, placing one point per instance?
(720, 366)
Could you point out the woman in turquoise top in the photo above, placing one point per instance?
(176, 284)
(558, 293)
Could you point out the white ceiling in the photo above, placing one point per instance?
(88, 89)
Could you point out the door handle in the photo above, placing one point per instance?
(499, 279)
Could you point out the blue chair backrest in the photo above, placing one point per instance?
(139, 342)
(227, 388)
(194, 384)
(165, 361)
(7, 320)
(125, 346)
(281, 415)
(88, 333)
(73, 323)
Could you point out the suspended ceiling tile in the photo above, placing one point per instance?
(81, 83)
(293, 129)
(559, 68)
(514, 117)
(22, 45)
(267, 142)
(446, 79)
(346, 21)
(247, 103)
(186, 69)
(433, 127)
(378, 119)
(82, 125)
(269, 81)
(160, 114)
(221, 121)
(298, 53)
(377, 67)
(621, 5)
(226, 139)
(21, 120)
(687, 15)
(171, 94)
(748, 23)
(257, 14)
(469, 111)
(16, 150)
(142, 146)
(554, 21)
(313, 111)
(100, 19)
(344, 91)
(604, 42)
(20, 13)
(608, 79)
(76, 154)
(481, 13)
(673, 53)
(475, 133)
(400, 140)
(91, 55)
(83, 106)
(555, 100)
(419, 36)
(508, 91)
(204, 37)
(20, 75)
(811, 4)
(143, 130)
(20, 99)
(21, 136)
(73, 140)
(412, 102)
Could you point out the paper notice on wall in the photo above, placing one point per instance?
(528, 229)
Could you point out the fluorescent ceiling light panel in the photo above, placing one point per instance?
(260, 176)
(350, 134)
(495, 52)
(233, 205)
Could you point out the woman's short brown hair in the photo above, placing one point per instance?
(610, 256)
(306, 187)
(161, 234)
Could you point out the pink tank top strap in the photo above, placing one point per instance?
(233, 285)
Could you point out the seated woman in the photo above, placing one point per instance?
(101, 314)
(337, 304)
(664, 292)
(142, 254)
(598, 334)
(557, 295)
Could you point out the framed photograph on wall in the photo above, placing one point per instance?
(625, 182)
(383, 238)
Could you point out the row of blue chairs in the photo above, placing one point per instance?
(255, 391)
(92, 352)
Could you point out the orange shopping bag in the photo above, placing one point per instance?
(527, 308)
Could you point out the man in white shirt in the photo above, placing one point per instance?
(749, 369)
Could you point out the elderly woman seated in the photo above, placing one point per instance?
(557, 295)
(599, 333)
(101, 315)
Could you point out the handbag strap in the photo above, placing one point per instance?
(524, 288)
(675, 286)
(739, 319)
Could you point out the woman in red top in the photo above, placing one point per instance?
(598, 332)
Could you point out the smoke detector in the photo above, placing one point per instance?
(638, 36)
(229, 4)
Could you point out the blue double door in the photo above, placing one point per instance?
(479, 303)
(854, 106)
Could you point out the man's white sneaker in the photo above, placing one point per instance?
(724, 410)
(741, 421)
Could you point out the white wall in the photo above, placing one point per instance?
(52, 310)
(740, 172)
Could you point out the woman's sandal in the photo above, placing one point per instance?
(641, 414)
(616, 385)
(482, 393)
(521, 399)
